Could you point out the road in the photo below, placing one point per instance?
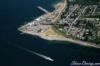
(61, 11)
(77, 18)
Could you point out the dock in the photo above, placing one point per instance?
(42, 9)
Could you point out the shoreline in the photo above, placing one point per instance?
(78, 42)
(53, 37)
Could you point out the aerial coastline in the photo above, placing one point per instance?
(42, 26)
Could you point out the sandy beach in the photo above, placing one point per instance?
(61, 38)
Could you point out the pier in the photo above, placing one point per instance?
(42, 9)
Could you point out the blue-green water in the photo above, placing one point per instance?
(13, 14)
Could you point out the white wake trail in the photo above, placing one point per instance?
(38, 54)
